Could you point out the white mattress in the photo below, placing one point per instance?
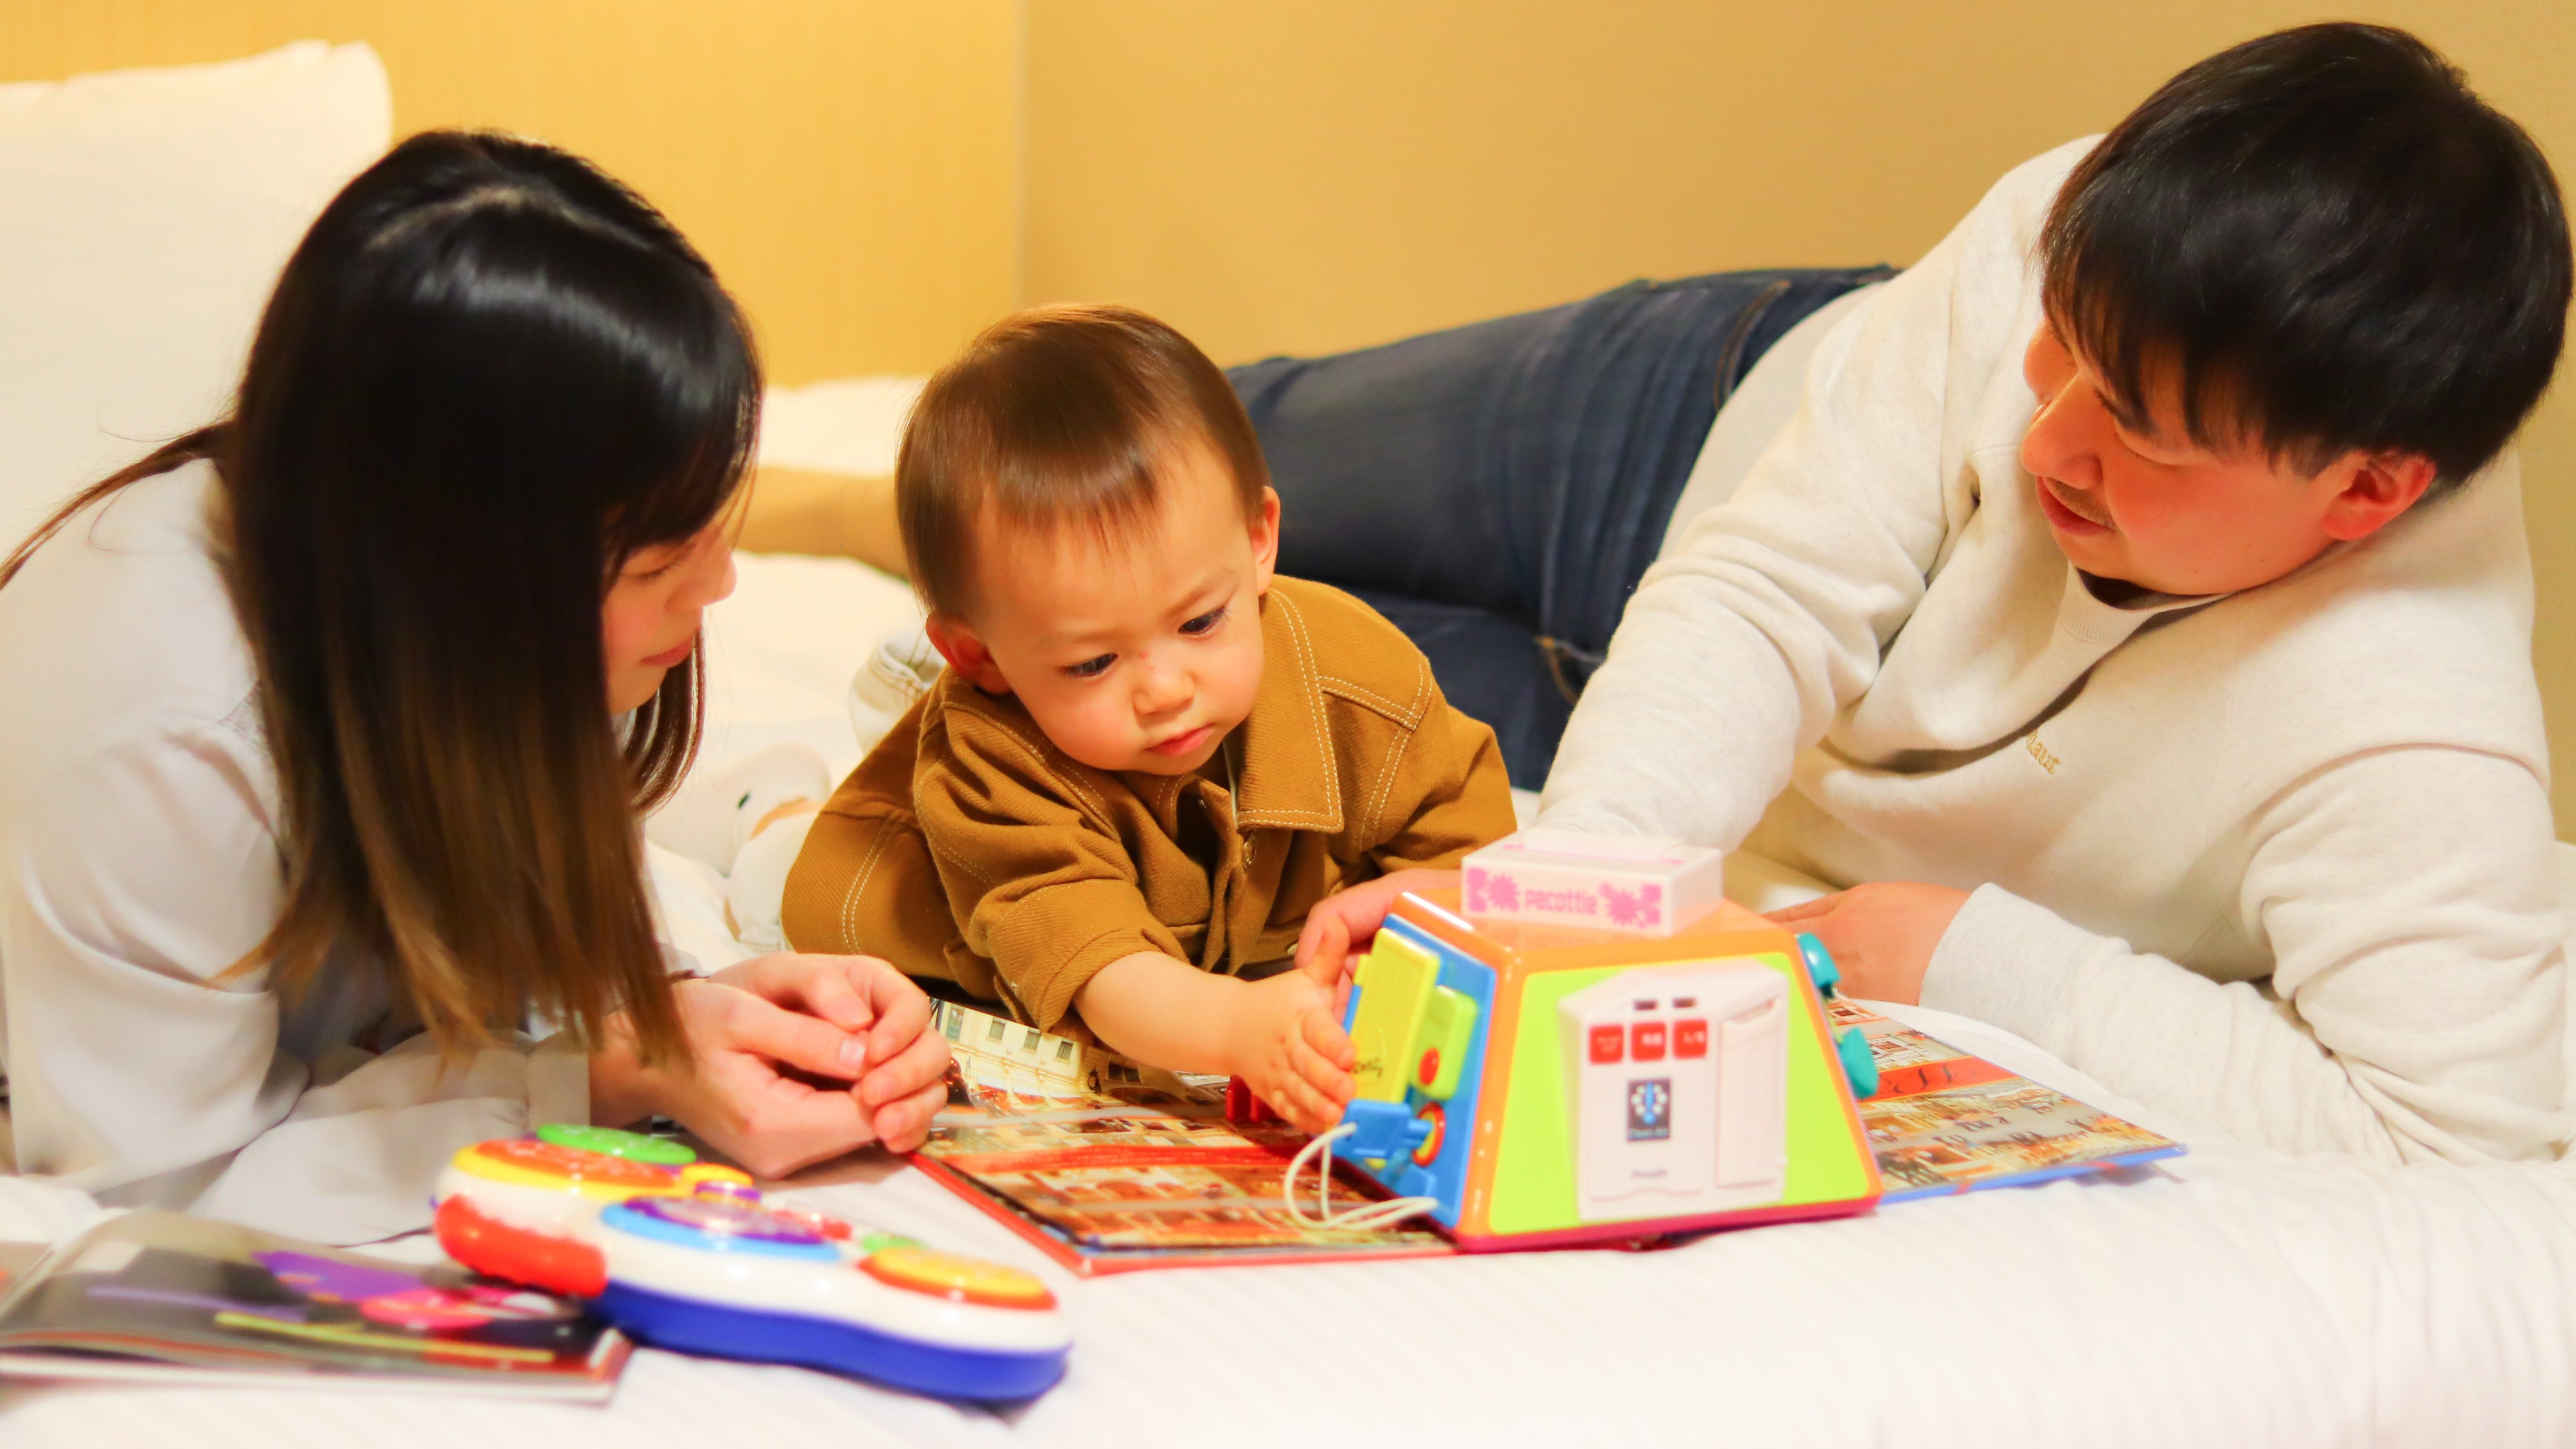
(2231, 1297)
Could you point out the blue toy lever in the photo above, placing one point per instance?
(1859, 1068)
(1820, 964)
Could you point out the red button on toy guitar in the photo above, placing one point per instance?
(1647, 1041)
(1609, 1043)
(1690, 1038)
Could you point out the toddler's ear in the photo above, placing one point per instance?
(965, 653)
(1265, 541)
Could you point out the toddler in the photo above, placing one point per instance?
(1149, 756)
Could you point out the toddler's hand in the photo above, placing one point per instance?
(1288, 1044)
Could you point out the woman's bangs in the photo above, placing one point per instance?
(690, 361)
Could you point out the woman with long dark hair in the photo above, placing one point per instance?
(328, 725)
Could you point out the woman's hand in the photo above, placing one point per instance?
(762, 1034)
(1360, 909)
(1285, 1038)
(1882, 935)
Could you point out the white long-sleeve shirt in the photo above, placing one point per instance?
(2276, 862)
(139, 861)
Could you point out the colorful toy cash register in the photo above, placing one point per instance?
(1585, 1042)
(688, 1255)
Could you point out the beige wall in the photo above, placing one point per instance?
(1330, 173)
(848, 165)
(1304, 176)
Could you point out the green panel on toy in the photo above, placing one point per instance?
(1539, 1185)
(1394, 984)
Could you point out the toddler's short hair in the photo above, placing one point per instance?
(1058, 416)
(2329, 242)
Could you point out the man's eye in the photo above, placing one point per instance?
(1204, 622)
(1091, 668)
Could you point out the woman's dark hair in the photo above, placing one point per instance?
(2328, 242)
(488, 375)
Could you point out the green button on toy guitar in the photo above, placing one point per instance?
(633, 1146)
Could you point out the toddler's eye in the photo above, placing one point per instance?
(1204, 622)
(1091, 668)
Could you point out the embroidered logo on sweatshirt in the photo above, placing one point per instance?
(2046, 757)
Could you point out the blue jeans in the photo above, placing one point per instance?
(1497, 489)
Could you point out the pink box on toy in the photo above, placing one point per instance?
(1642, 885)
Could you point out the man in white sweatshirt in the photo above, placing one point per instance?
(2137, 615)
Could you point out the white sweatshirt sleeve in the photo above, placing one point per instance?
(2420, 974)
(1737, 650)
(129, 884)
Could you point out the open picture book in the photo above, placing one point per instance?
(1110, 1167)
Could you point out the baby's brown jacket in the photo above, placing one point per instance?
(967, 847)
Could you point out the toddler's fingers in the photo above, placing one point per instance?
(1328, 1081)
(1326, 1037)
(1302, 1105)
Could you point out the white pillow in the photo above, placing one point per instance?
(143, 218)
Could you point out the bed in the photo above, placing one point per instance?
(2233, 1296)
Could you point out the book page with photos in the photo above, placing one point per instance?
(1109, 1166)
(1943, 1121)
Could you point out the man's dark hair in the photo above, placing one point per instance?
(2328, 242)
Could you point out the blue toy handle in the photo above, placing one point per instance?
(1820, 964)
(1859, 1067)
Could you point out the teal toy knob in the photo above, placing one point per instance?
(1820, 964)
(1859, 1067)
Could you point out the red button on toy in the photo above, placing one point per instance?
(1648, 1037)
(1690, 1038)
(1429, 1071)
(1609, 1043)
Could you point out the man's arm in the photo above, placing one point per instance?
(2418, 997)
(1738, 650)
(795, 510)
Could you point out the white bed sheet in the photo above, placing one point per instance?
(2232, 1297)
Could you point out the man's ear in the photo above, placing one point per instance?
(965, 652)
(2377, 489)
(1265, 541)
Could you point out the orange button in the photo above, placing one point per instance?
(1609, 1043)
(1646, 1041)
(1690, 1038)
(966, 1280)
(1429, 1071)
(533, 1163)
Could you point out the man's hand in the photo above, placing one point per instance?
(1286, 1039)
(1360, 909)
(1881, 934)
(837, 1019)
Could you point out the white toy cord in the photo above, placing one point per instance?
(1374, 1215)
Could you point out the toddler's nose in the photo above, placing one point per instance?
(1160, 690)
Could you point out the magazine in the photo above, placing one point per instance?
(165, 1297)
(1110, 1167)
(1942, 1121)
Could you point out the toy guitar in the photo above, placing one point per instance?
(686, 1255)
